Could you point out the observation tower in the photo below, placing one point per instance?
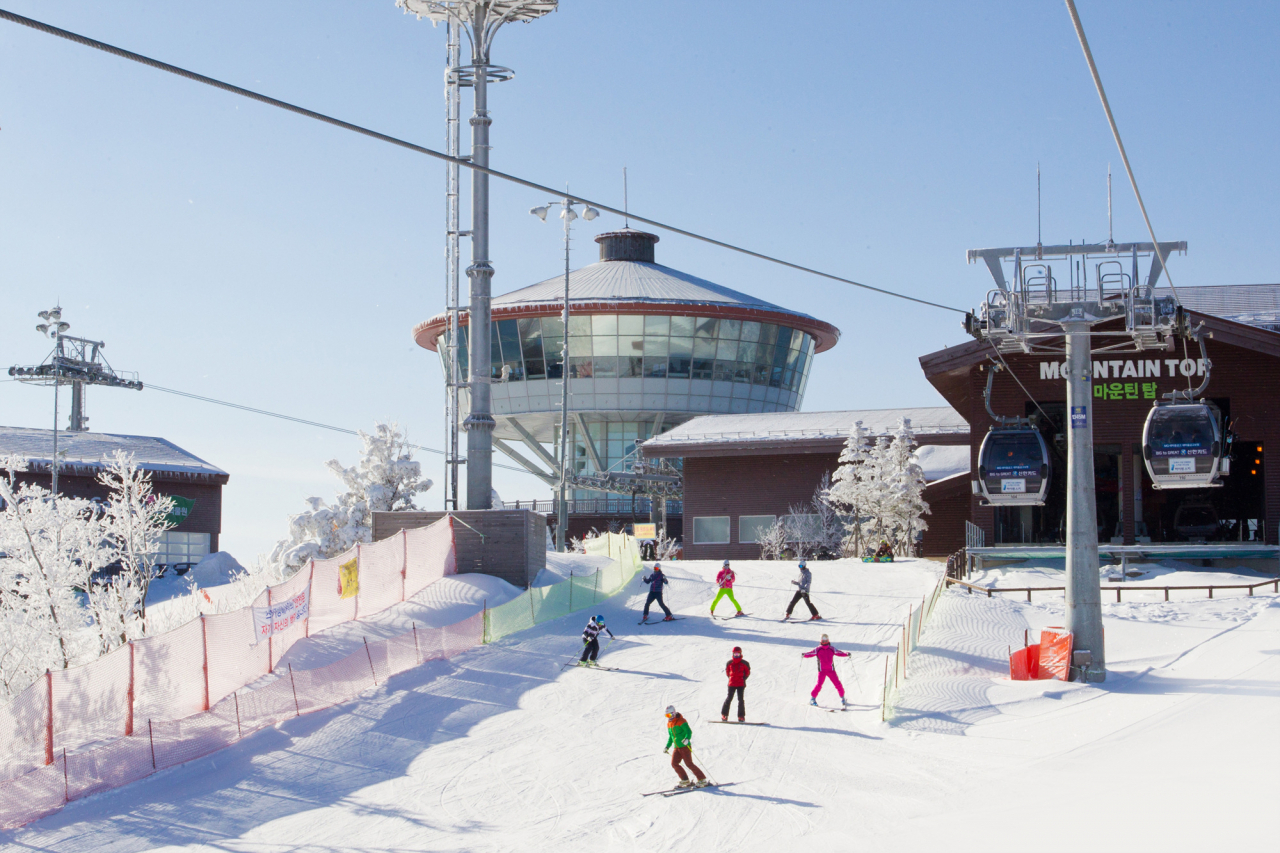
(650, 347)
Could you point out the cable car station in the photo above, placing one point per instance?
(1185, 393)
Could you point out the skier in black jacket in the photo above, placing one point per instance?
(655, 582)
(591, 640)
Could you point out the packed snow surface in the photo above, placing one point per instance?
(502, 749)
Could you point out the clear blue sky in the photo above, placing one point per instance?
(232, 250)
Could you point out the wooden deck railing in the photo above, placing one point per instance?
(1118, 588)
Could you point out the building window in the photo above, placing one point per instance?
(751, 528)
(711, 530)
(177, 547)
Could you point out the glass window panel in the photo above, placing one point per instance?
(552, 327)
(579, 346)
(724, 371)
(760, 374)
(580, 368)
(630, 344)
(727, 351)
(534, 369)
(801, 362)
(555, 368)
(655, 346)
(655, 367)
(682, 327)
(750, 330)
(657, 325)
(742, 372)
(712, 530)
(516, 373)
(768, 333)
(604, 345)
(747, 351)
(509, 332)
(789, 380)
(704, 348)
(751, 528)
(703, 368)
(631, 324)
(603, 324)
(531, 339)
(630, 366)
(730, 330)
(606, 367)
(764, 354)
(579, 324)
(495, 354)
(784, 337)
(678, 366)
(793, 356)
(775, 377)
(705, 327)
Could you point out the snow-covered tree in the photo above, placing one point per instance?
(385, 479)
(848, 489)
(881, 487)
(134, 519)
(49, 549)
(773, 540)
(905, 505)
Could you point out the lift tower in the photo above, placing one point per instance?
(1035, 312)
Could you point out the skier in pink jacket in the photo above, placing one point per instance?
(826, 655)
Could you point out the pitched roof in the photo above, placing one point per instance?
(634, 281)
(87, 452)
(1250, 304)
(785, 431)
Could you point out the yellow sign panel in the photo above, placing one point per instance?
(645, 531)
(349, 578)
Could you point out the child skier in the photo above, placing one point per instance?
(738, 671)
(655, 582)
(806, 578)
(591, 640)
(826, 655)
(680, 736)
(725, 581)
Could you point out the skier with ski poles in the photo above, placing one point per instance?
(738, 671)
(725, 581)
(655, 582)
(591, 640)
(826, 655)
(803, 582)
(680, 736)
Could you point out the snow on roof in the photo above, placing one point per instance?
(90, 449)
(941, 461)
(1252, 304)
(790, 426)
(633, 281)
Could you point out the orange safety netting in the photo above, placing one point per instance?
(163, 700)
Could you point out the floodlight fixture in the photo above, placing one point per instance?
(540, 212)
(589, 213)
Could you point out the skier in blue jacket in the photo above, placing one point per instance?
(655, 582)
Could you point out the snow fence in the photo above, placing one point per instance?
(542, 604)
(163, 700)
(895, 667)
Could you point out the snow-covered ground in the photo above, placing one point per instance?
(502, 749)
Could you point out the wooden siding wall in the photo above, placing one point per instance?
(206, 515)
(769, 485)
(514, 546)
(1250, 380)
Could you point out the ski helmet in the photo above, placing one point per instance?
(726, 562)
(657, 567)
(737, 651)
(671, 710)
(600, 619)
(802, 564)
(825, 640)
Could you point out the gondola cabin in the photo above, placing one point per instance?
(1182, 444)
(1013, 467)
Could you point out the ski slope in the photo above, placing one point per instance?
(503, 749)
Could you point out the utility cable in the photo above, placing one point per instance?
(459, 161)
(1009, 370)
(1115, 131)
(303, 421)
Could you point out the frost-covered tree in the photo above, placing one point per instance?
(905, 505)
(849, 490)
(134, 519)
(385, 479)
(49, 549)
(773, 540)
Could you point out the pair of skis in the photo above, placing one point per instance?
(738, 722)
(671, 792)
(585, 666)
(656, 621)
(727, 618)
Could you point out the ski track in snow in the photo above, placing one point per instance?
(501, 749)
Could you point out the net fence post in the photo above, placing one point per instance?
(151, 736)
(417, 651)
(369, 655)
(484, 622)
(204, 648)
(235, 697)
(533, 617)
(404, 564)
(48, 730)
(311, 581)
(297, 709)
(271, 652)
(357, 595)
(128, 711)
(66, 782)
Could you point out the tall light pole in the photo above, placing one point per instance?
(480, 20)
(568, 214)
(53, 327)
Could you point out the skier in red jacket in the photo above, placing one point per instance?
(738, 671)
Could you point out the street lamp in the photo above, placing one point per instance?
(568, 214)
(53, 327)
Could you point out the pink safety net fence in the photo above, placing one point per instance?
(163, 700)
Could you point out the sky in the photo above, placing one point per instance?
(232, 250)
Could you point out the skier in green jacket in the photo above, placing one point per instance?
(681, 737)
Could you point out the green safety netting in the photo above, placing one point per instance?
(542, 604)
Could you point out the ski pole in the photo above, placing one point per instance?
(703, 768)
